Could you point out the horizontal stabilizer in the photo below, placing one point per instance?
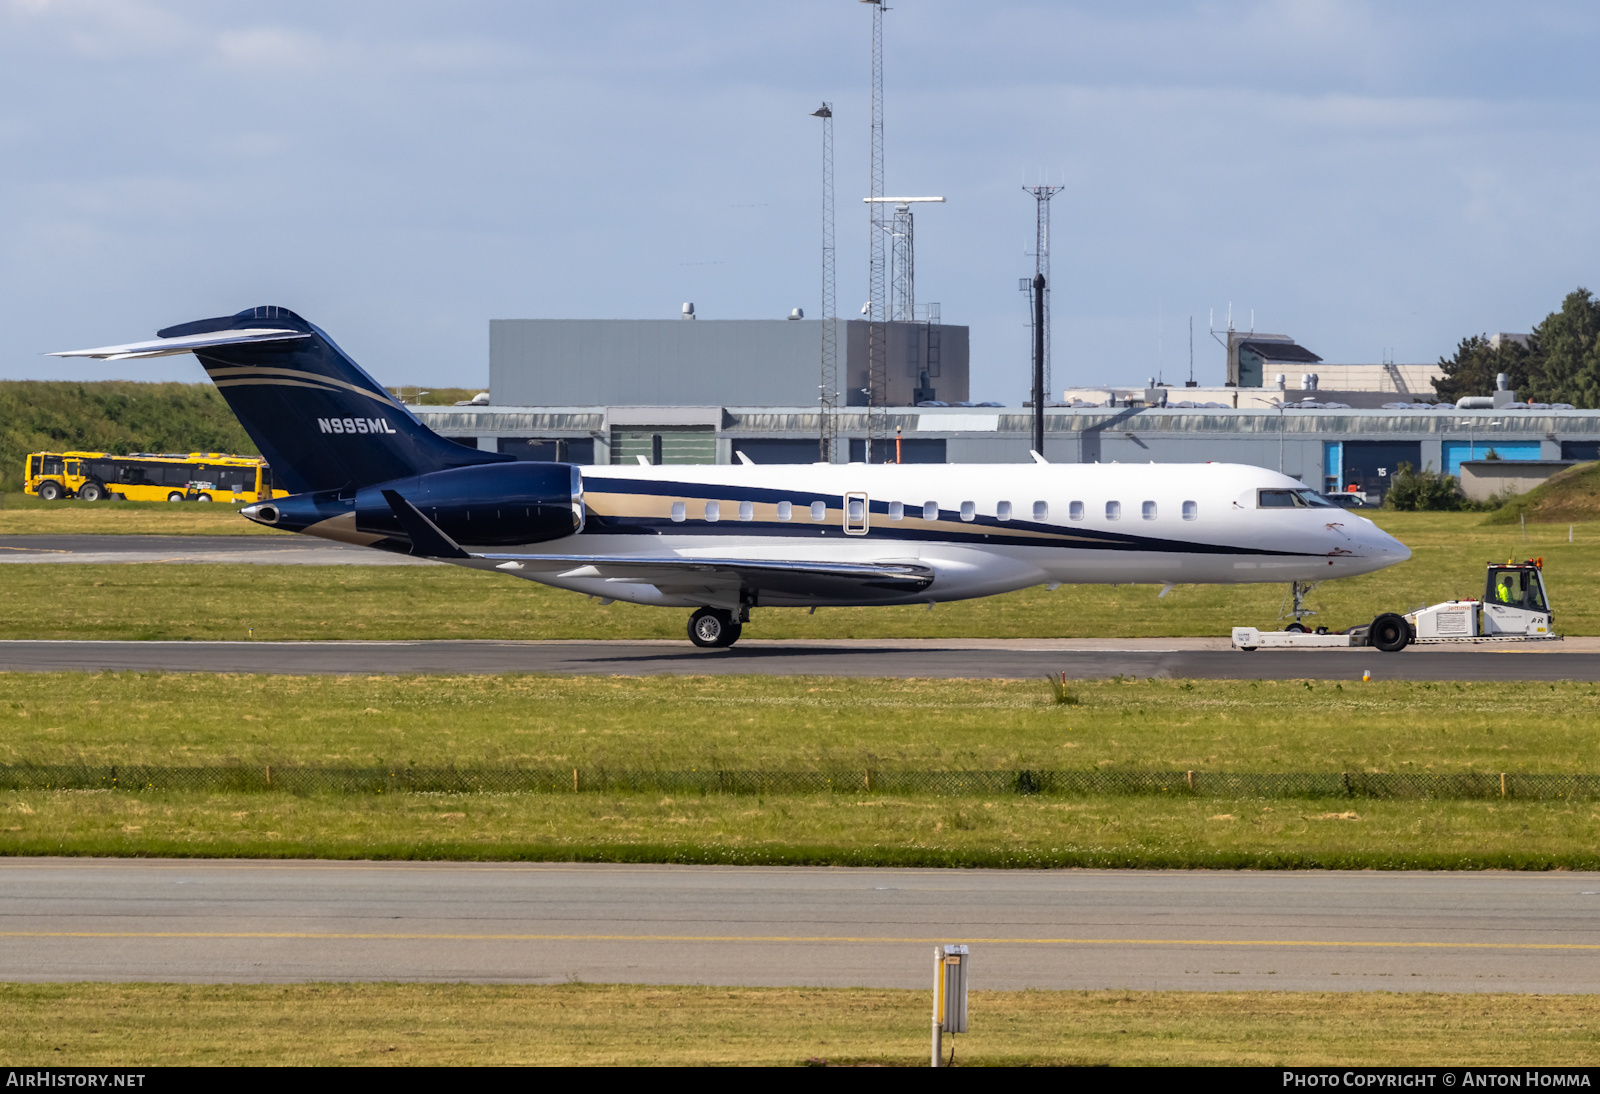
(188, 343)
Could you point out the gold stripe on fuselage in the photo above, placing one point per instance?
(659, 507)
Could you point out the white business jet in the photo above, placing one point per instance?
(724, 540)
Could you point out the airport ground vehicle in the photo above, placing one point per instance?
(1514, 608)
(724, 540)
(1349, 501)
(144, 476)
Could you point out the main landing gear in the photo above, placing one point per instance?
(714, 628)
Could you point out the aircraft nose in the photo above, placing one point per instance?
(1389, 548)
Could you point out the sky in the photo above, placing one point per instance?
(1376, 180)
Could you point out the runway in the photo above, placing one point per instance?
(259, 550)
(545, 923)
(1579, 659)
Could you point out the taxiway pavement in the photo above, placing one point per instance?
(1194, 658)
(530, 922)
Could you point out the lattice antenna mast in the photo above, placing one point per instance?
(1041, 263)
(877, 390)
(902, 290)
(902, 266)
(828, 401)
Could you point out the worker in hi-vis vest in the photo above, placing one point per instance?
(1504, 593)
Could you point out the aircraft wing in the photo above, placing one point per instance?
(676, 573)
(903, 577)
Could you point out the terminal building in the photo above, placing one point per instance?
(713, 391)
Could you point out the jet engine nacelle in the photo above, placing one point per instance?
(489, 505)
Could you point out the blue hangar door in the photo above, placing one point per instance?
(1370, 466)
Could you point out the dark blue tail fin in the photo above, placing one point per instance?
(319, 419)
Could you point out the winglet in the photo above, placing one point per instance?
(426, 537)
(1036, 457)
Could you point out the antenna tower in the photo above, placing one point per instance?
(902, 291)
(878, 305)
(1041, 264)
(902, 266)
(828, 402)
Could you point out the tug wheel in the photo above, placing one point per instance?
(1389, 633)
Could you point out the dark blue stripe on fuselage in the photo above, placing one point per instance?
(986, 530)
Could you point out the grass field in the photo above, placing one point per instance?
(302, 602)
(784, 723)
(128, 1026)
(812, 830)
(802, 724)
(25, 515)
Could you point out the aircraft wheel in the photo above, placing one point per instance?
(1296, 628)
(713, 628)
(1389, 633)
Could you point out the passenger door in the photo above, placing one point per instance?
(857, 514)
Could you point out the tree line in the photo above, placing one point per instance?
(117, 416)
(1559, 364)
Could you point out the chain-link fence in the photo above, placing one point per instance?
(502, 780)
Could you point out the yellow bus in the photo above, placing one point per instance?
(145, 476)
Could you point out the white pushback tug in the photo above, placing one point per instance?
(1514, 608)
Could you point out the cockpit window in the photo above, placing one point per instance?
(1293, 499)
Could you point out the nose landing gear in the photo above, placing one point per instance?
(714, 628)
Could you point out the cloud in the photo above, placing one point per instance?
(274, 49)
(99, 29)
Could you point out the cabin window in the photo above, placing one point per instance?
(819, 510)
(747, 510)
(1003, 511)
(897, 510)
(858, 510)
(1113, 510)
(679, 511)
(713, 510)
(1148, 510)
(785, 511)
(969, 510)
(1041, 510)
(930, 510)
(1190, 510)
(1075, 510)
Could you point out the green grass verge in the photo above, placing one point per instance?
(799, 723)
(803, 723)
(129, 1026)
(25, 515)
(1567, 496)
(815, 830)
(344, 602)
